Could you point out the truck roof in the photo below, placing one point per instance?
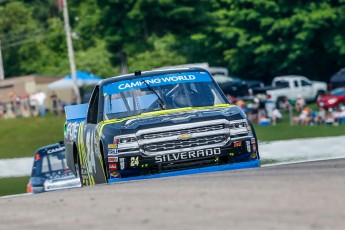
(289, 77)
(148, 74)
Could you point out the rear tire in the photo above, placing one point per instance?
(319, 94)
(280, 103)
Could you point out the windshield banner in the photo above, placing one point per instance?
(167, 79)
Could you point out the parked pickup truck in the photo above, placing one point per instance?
(294, 86)
(155, 122)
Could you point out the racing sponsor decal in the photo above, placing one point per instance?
(112, 146)
(167, 79)
(134, 161)
(231, 154)
(187, 155)
(54, 150)
(112, 166)
(115, 175)
(248, 146)
(122, 163)
(72, 131)
(112, 152)
(90, 150)
(253, 141)
(113, 159)
(237, 143)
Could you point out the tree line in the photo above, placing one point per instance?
(254, 39)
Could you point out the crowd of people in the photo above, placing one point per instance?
(264, 112)
(27, 105)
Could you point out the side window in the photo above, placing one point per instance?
(92, 113)
(305, 83)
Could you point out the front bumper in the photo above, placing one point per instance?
(241, 153)
(242, 165)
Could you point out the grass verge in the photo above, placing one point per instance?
(13, 185)
(20, 137)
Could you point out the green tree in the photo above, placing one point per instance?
(264, 38)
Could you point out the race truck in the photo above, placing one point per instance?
(156, 123)
(49, 170)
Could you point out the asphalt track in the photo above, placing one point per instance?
(307, 195)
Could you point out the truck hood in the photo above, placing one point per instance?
(169, 117)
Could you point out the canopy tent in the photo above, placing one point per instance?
(83, 79)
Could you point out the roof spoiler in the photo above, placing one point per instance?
(76, 112)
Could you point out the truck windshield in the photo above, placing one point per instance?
(51, 165)
(163, 92)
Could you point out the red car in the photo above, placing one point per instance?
(335, 98)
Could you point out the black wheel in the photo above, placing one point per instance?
(319, 94)
(280, 103)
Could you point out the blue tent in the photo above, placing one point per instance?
(83, 79)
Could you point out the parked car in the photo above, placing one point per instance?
(335, 98)
(293, 87)
(233, 86)
(160, 122)
(50, 171)
(338, 79)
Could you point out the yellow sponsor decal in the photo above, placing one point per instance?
(112, 146)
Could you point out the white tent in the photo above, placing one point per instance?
(83, 79)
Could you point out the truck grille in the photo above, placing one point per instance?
(184, 137)
(183, 131)
(181, 144)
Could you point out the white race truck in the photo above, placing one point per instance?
(293, 87)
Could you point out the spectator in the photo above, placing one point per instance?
(304, 117)
(1, 110)
(330, 119)
(240, 103)
(254, 111)
(40, 97)
(287, 104)
(74, 98)
(26, 99)
(339, 115)
(55, 103)
(231, 98)
(300, 103)
(276, 116)
(320, 116)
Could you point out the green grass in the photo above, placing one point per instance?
(285, 131)
(20, 137)
(13, 185)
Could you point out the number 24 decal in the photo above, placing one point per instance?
(134, 161)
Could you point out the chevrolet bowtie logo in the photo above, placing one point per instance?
(184, 136)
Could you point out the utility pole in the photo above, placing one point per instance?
(70, 51)
(2, 74)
